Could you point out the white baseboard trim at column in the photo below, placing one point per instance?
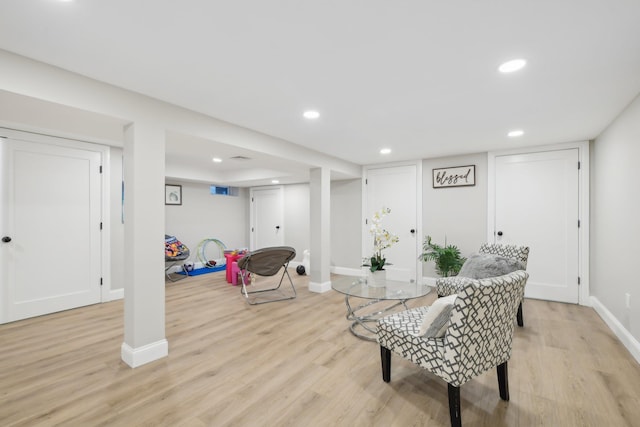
(135, 357)
(320, 287)
(116, 294)
(617, 328)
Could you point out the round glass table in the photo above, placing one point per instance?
(381, 300)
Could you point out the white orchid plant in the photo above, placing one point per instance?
(382, 239)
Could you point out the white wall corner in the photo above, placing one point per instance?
(135, 357)
(618, 329)
(320, 287)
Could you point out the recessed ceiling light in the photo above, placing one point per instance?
(275, 181)
(311, 114)
(385, 151)
(511, 66)
(515, 133)
(217, 160)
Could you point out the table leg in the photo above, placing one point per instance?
(363, 321)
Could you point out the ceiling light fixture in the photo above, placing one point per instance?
(515, 133)
(511, 66)
(217, 160)
(275, 181)
(311, 114)
(385, 151)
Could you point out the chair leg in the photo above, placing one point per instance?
(503, 381)
(519, 316)
(245, 275)
(168, 273)
(454, 406)
(385, 357)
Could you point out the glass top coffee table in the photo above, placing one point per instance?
(381, 300)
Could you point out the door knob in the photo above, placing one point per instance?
(412, 231)
(499, 233)
(6, 239)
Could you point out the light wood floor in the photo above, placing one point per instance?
(294, 363)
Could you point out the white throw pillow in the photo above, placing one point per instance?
(434, 323)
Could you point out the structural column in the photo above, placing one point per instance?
(320, 215)
(144, 301)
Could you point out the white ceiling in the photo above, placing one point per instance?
(419, 77)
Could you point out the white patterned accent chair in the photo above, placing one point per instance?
(450, 285)
(478, 335)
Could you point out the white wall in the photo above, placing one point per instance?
(346, 212)
(615, 213)
(206, 216)
(346, 220)
(296, 218)
(458, 214)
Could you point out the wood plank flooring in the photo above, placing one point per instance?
(294, 363)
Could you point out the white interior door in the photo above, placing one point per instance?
(267, 215)
(395, 188)
(51, 212)
(536, 204)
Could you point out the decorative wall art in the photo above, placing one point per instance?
(172, 194)
(457, 176)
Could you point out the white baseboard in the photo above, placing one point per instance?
(347, 271)
(431, 281)
(135, 357)
(618, 329)
(115, 294)
(320, 287)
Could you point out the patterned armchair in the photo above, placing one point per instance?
(450, 285)
(478, 335)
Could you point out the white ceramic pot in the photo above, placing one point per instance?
(377, 278)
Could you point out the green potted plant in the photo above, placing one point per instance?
(447, 258)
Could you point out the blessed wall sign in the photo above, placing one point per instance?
(458, 176)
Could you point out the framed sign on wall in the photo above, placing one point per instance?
(457, 176)
(172, 194)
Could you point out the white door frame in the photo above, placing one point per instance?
(105, 210)
(583, 204)
(366, 249)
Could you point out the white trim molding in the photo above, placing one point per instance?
(116, 294)
(139, 356)
(347, 271)
(617, 328)
(320, 287)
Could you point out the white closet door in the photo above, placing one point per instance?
(395, 188)
(51, 212)
(267, 216)
(536, 204)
